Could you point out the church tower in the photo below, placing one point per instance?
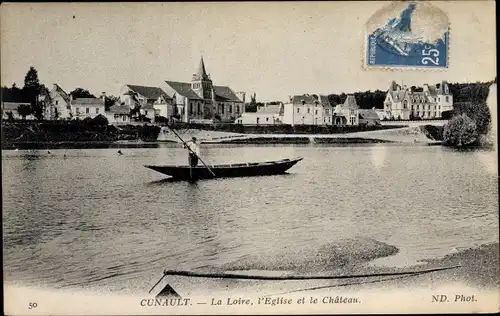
(201, 82)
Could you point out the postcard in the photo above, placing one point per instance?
(249, 158)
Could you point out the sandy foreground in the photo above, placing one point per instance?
(471, 288)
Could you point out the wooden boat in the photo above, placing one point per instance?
(227, 171)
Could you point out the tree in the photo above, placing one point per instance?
(31, 90)
(81, 93)
(24, 110)
(109, 101)
(460, 131)
(10, 116)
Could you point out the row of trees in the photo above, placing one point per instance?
(31, 91)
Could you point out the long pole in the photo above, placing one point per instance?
(189, 148)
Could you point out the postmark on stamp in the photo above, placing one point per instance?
(407, 35)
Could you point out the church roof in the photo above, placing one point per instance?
(149, 92)
(224, 93)
(184, 89)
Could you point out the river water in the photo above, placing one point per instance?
(93, 219)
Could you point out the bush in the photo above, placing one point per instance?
(161, 119)
(460, 131)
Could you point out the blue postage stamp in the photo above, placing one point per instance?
(408, 34)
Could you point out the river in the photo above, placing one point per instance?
(91, 218)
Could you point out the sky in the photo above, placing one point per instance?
(273, 49)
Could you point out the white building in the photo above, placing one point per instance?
(403, 103)
(308, 110)
(346, 113)
(118, 114)
(266, 115)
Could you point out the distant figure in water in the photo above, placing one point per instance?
(194, 152)
(120, 152)
(48, 152)
(64, 155)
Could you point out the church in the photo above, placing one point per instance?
(202, 101)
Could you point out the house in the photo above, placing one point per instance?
(149, 101)
(10, 110)
(266, 115)
(59, 106)
(347, 113)
(403, 103)
(118, 114)
(82, 108)
(201, 100)
(308, 110)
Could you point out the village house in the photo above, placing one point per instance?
(404, 104)
(346, 113)
(201, 100)
(61, 105)
(269, 114)
(308, 110)
(149, 101)
(118, 114)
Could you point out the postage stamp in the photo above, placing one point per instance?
(238, 158)
(408, 34)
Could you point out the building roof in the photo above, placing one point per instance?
(149, 92)
(310, 99)
(61, 92)
(270, 109)
(350, 102)
(119, 109)
(368, 114)
(224, 93)
(184, 89)
(398, 96)
(12, 106)
(87, 101)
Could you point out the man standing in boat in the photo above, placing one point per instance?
(194, 151)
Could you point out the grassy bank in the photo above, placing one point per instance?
(283, 128)
(65, 133)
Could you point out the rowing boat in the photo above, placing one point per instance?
(227, 170)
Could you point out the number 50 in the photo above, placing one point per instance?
(32, 305)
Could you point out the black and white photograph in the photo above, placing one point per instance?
(331, 157)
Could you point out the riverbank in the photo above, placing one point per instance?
(71, 134)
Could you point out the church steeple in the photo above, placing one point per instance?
(202, 73)
(201, 83)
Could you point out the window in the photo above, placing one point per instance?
(327, 111)
(405, 104)
(96, 110)
(199, 108)
(230, 108)
(267, 119)
(439, 99)
(77, 110)
(257, 120)
(146, 113)
(447, 99)
(298, 110)
(308, 110)
(57, 102)
(87, 110)
(316, 112)
(222, 109)
(124, 118)
(238, 109)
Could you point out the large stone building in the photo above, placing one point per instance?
(403, 103)
(200, 100)
(308, 110)
(61, 105)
